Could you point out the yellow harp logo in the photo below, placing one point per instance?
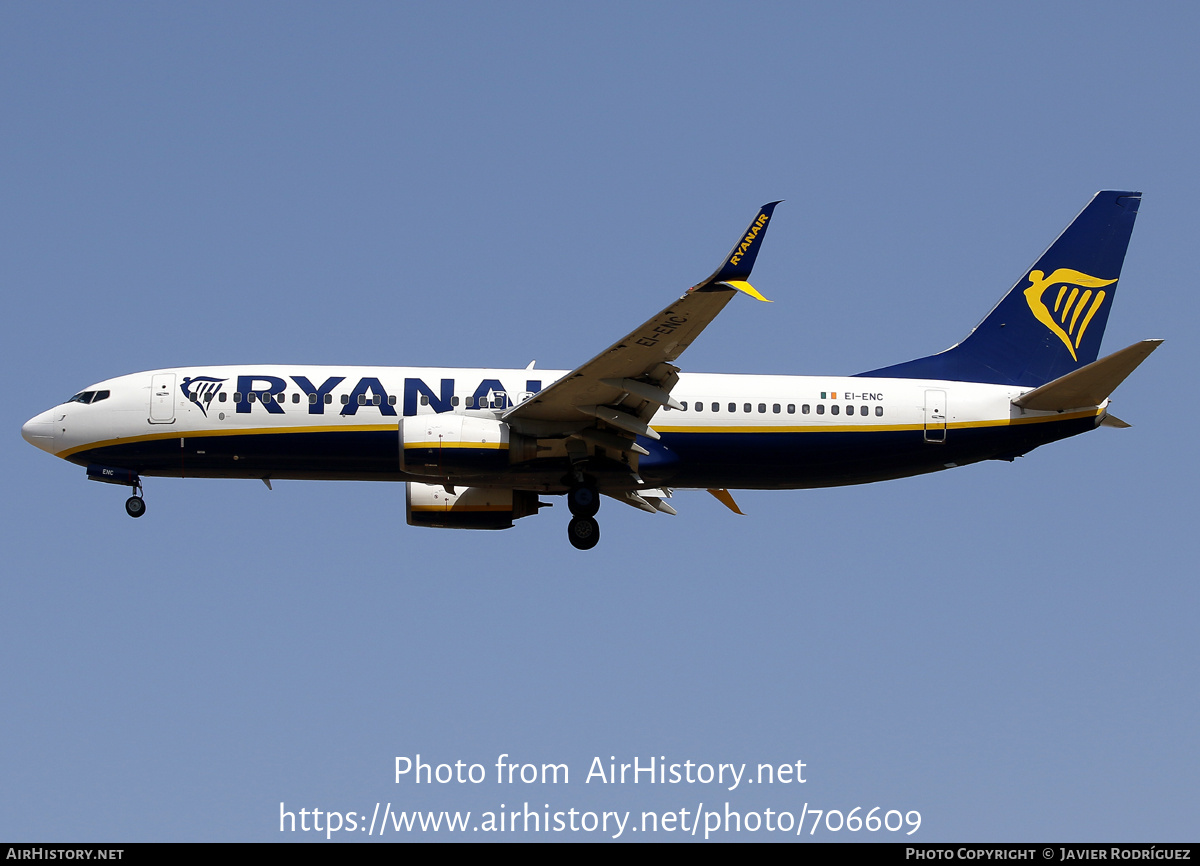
(1068, 320)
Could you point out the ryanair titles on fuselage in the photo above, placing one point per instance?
(264, 389)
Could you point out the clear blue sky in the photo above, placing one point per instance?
(1009, 649)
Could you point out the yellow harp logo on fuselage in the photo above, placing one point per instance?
(1072, 311)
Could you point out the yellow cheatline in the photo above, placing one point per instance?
(743, 286)
(487, 445)
(880, 428)
(228, 431)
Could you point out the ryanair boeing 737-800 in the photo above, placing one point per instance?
(478, 447)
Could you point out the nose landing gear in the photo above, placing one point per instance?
(135, 506)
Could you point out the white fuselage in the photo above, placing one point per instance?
(275, 421)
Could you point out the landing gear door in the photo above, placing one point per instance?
(162, 398)
(935, 417)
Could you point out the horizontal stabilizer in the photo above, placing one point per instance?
(1111, 420)
(1089, 385)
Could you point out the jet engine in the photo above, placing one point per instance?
(467, 507)
(448, 445)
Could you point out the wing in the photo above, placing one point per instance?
(611, 398)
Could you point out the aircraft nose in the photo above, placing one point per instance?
(39, 431)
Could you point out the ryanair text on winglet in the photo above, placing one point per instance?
(748, 240)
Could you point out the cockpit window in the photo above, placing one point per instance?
(89, 397)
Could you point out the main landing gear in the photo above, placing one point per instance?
(583, 530)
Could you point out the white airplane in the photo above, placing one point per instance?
(477, 447)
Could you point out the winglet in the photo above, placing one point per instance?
(735, 270)
(743, 286)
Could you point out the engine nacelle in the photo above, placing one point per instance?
(449, 445)
(467, 507)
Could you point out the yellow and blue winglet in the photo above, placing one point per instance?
(735, 270)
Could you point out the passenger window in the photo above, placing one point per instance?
(250, 397)
(296, 397)
(221, 396)
(453, 401)
(804, 409)
(776, 408)
(864, 410)
(424, 399)
(733, 407)
(329, 399)
(683, 405)
(762, 407)
(376, 400)
(849, 410)
(747, 408)
(834, 409)
(879, 411)
(312, 398)
(791, 408)
(820, 408)
(716, 407)
(345, 399)
(237, 396)
(392, 400)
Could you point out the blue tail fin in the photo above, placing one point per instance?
(1051, 322)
